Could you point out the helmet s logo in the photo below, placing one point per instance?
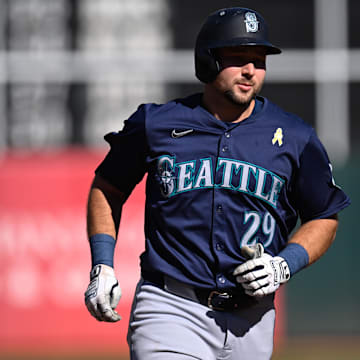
(251, 22)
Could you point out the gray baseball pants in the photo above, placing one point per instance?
(164, 326)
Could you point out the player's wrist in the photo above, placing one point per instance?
(295, 256)
(102, 249)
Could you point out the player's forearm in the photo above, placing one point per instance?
(104, 208)
(316, 236)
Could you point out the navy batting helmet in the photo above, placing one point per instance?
(234, 26)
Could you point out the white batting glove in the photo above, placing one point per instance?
(103, 294)
(263, 274)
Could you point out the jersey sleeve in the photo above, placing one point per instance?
(317, 196)
(125, 164)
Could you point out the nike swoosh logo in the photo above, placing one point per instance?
(176, 134)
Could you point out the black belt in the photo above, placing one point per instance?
(214, 299)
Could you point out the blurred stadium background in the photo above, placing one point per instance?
(71, 71)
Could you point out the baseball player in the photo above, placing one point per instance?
(229, 173)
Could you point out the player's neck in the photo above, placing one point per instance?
(224, 110)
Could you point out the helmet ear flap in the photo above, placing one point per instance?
(206, 65)
(216, 60)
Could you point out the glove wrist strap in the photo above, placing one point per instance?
(102, 249)
(296, 257)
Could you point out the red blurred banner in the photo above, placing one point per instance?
(45, 256)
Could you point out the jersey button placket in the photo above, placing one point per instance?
(219, 246)
(225, 143)
(219, 227)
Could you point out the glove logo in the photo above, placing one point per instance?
(284, 271)
(92, 289)
(95, 271)
(252, 25)
(275, 271)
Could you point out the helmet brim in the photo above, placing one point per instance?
(270, 49)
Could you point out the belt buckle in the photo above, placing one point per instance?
(221, 297)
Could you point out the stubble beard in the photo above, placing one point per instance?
(242, 99)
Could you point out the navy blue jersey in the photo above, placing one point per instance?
(214, 186)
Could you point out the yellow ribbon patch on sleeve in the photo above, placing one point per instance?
(278, 137)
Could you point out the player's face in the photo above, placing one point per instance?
(242, 73)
